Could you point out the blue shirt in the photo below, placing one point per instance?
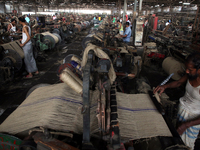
(128, 33)
(27, 19)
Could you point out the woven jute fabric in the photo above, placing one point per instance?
(138, 117)
(58, 107)
(55, 107)
(101, 54)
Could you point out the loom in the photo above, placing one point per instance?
(88, 104)
(10, 60)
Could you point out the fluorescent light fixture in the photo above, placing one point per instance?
(131, 4)
(180, 2)
(162, 5)
(157, 5)
(186, 3)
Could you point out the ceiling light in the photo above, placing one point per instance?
(186, 3)
(162, 5)
(180, 2)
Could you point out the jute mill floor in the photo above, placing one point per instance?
(13, 94)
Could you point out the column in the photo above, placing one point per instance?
(4, 7)
(124, 12)
(119, 13)
(35, 8)
(140, 7)
(134, 15)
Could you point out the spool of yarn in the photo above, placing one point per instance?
(76, 65)
(171, 65)
(76, 59)
(73, 76)
(53, 36)
(71, 82)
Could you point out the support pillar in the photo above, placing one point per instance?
(13, 8)
(124, 12)
(140, 7)
(35, 8)
(134, 17)
(134, 10)
(4, 7)
(18, 9)
(119, 14)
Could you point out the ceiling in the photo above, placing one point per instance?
(106, 4)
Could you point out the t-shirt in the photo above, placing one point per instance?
(126, 17)
(54, 17)
(27, 19)
(128, 33)
(114, 20)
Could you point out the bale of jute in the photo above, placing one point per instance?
(171, 65)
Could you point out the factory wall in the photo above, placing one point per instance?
(19, 9)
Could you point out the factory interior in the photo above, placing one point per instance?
(99, 75)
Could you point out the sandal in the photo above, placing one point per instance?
(37, 73)
(28, 76)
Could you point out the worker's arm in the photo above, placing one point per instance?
(174, 84)
(9, 27)
(188, 124)
(28, 36)
(124, 35)
(119, 27)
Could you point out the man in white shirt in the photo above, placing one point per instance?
(129, 20)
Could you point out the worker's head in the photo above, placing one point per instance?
(127, 24)
(13, 21)
(118, 21)
(193, 66)
(21, 20)
(129, 18)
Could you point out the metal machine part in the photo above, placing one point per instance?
(86, 102)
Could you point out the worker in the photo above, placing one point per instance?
(12, 26)
(26, 45)
(190, 25)
(99, 18)
(168, 22)
(114, 18)
(54, 17)
(189, 107)
(120, 27)
(129, 20)
(127, 33)
(121, 20)
(27, 18)
(126, 17)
